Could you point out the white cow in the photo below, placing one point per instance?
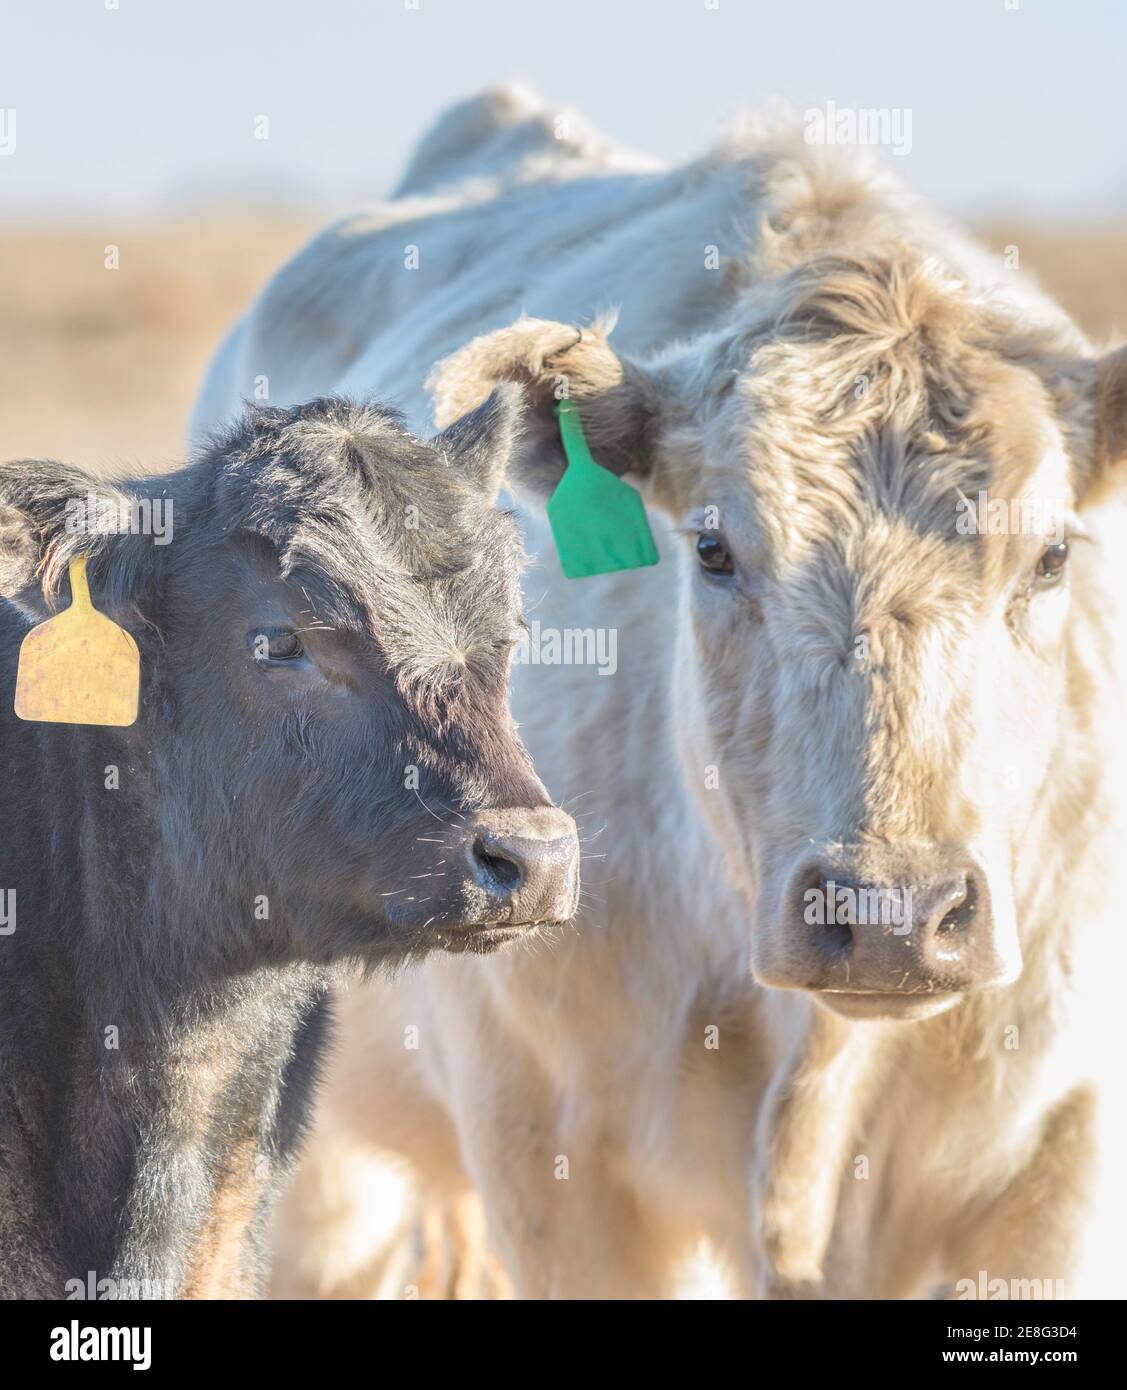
(833, 690)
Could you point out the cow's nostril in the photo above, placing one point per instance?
(822, 906)
(880, 919)
(495, 871)
(960, 909)
(837, 939)
(525, 860)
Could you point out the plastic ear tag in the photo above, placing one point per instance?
(79, 667)
(598, 521)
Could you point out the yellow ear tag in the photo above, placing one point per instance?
(79, 667)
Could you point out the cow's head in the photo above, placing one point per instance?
(326, 617)
(877, 667)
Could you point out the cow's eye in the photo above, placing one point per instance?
(713, 554)
(1050, 567)
(281, 645)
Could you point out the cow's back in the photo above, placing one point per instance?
(521, 222)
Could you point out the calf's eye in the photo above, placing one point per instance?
(278, 646)
(713, 554)
(1050, 567)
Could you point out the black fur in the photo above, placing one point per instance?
(140, 908)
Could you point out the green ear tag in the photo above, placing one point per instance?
(598, 521)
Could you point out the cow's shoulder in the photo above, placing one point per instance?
(509, 132)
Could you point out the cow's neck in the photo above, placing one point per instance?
(228, 1080)
(157, 1124)
(154, 1084)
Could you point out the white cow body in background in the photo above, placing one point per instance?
(627, 1091)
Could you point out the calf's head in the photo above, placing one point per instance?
(325, 629)
(878, 482)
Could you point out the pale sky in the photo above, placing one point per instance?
(131, 110)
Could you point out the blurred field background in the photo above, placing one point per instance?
(100, 367)
(207, 140)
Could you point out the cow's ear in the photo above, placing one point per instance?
(618, 402)
(482, 442)
(49, 514)
(1109, 471)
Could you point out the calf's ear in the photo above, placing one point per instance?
(482, 441)
(49, 514)
(618, 402)
(1110, 464)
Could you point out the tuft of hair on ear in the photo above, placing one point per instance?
(482, 441)
(19, 552)
(618, 401)
(39, 538)
(551, 359)
(1111, 425)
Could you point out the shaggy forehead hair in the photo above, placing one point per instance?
(332, 468)
(877, 385)
(389, 536)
